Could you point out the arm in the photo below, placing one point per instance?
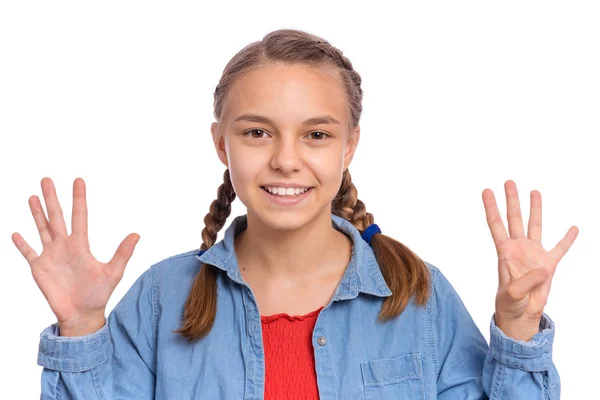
(118, 361)
(468, 369)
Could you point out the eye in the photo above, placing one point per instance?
(318, 135)
(256, 133)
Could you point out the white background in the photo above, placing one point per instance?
(458, 96)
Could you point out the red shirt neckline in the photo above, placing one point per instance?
(266, 319)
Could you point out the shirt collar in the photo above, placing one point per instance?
(362, 274)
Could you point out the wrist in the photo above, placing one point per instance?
(518, 329)
(81, 327)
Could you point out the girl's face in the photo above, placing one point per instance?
(284, 135)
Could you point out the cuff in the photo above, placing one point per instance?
(532, 356)
(73, 353)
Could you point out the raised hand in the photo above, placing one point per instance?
(76, 285)
(525, 268)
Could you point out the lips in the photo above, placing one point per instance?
(285, 191)
(285, 199)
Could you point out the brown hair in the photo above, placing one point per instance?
(404, 272)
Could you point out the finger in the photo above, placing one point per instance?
(565, 244)
(513, 211)
(494, 220)
(518, 289)
(40, 220)
(123, 253)
(79, 218)
(25, 249)
(55, 214)
(534, 227)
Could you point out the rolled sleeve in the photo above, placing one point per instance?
(73, 353)
(532, 356)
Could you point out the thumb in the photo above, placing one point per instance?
(124, 252)
(517, 290)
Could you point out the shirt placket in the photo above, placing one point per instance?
(254, 357)
(323, 364)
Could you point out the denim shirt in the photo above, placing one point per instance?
(431, 352)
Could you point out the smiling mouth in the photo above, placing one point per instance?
(285, 192)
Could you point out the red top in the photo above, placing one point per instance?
(289, 356)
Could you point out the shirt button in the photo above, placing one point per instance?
(321, 340)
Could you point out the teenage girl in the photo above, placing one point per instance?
(304, 297)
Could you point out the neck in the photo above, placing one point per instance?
(301, 254)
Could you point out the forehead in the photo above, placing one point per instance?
(288, 92)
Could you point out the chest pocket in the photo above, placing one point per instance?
(393, 378)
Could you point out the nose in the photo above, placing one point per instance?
(286, 155)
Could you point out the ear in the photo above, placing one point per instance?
(351, 146)
(219, 142)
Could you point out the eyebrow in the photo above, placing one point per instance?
(321, 119)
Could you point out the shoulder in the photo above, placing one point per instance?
(177, 269)
(438, 282)
(180, 260)
(173, 272)
(432, 268)
(434, 273)
(444, 301)
(441, 292)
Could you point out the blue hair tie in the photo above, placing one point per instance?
(201, 252)
(369, 232)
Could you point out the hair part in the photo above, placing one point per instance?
(404, 272)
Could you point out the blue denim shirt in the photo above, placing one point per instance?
(432, 352)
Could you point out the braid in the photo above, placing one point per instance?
(404, 272)
(220, 209)
(201, 305)
(348, 206)
(347, 65)
(352, 82)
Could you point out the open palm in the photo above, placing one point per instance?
(525, 268)
(76, 285)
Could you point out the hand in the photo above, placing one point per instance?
(76, 285)
(525, 268)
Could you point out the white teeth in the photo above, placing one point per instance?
(280, 191)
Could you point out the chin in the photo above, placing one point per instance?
(284, 220)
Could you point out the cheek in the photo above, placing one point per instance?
(327, 167)
(243, 168)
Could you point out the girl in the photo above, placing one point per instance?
(304, 297)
